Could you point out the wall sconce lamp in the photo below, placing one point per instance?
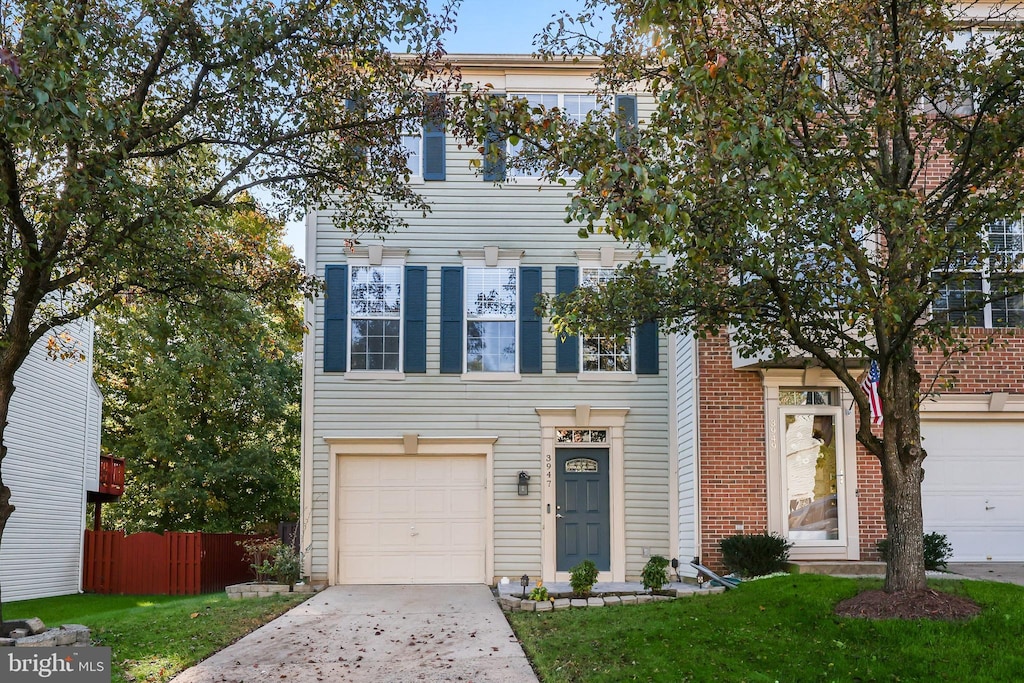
(524, 484)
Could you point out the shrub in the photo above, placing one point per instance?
(287, 564)
(755, 554)
(272, 560)
(655, 573)
(582, 578)
(937, 549)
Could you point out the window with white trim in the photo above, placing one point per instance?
(602, 353)
(574, 107)
(492, 304)
(375, 309)
(960, 297)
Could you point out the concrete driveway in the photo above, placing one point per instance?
(377, 633)
(1007, 572)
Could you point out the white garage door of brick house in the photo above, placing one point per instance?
(418, 519)
(973, 487)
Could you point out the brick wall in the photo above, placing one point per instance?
(733, 487)
(733, 477)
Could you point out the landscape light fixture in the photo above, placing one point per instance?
(524, 581)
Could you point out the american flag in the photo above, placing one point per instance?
(870, 386)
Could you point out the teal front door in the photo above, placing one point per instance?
(582, 527)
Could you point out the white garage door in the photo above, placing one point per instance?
(974, 488)
(411, 519)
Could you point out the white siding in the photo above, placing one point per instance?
(685, 386)
(470, 213)
(55, 405)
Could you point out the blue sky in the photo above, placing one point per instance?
(483, 26)
(488, 26)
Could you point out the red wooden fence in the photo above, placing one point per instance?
(169, 564)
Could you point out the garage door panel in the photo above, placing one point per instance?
(973, 490)
(430, 501)
(362, 471)
(412, 519)
(467, 501)
(468, 534)
(359, 501)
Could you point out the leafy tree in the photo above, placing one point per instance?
(817, 172)
(127, 127)
(201, 398)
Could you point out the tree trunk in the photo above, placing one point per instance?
(902, 475)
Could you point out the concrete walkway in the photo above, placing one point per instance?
(1007, 572)
(377, 633)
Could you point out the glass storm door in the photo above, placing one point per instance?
(814, 503)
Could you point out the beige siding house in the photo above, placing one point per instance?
(448, 436)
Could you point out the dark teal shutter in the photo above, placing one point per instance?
(567, 351)
(494, 153)
(647, 348)
(530, 330)
(451, 319)
(625, 108)
(336, 319)
(433, 138)
(415, 325)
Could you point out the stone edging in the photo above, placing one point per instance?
(513, 604)
(262, 590)
(68, 634)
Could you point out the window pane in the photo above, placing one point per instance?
(376, 291)
(960, 301)
(1007, 311)
(491, 293)
(603, 354)
(491, 347)
(413, 156)
(1006, 240)
(577, 107)
(375, 344)
(798, 397)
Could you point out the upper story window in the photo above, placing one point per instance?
(601, 353)
(423, 142)
(491, 305)
(961, 297)
(375, 308)
(574, 107)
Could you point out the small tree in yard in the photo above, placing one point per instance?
(818, 173)
(126, 127)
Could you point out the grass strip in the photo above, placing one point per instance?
(154, 637)
(778, 629)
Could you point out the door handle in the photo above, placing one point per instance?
(558, 515)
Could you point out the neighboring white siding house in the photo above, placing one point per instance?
(430, 385)
(53, 441)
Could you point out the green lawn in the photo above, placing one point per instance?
(779, 629)
(153, 637)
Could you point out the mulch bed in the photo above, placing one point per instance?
(923, 604)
